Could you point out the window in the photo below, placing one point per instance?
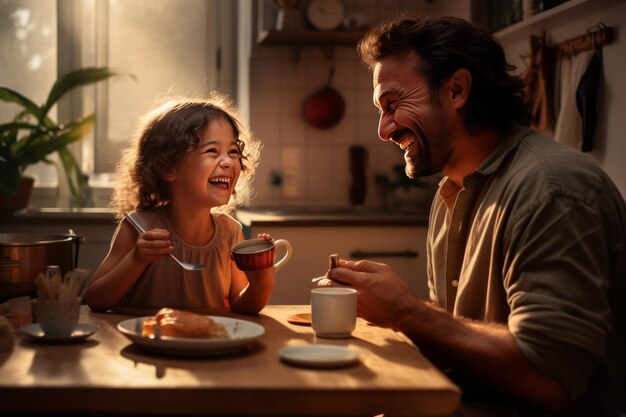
(170, 47)
(28, 45)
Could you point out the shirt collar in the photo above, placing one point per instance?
(508, 144)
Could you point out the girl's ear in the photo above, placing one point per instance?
(168, 174)
(459, 85)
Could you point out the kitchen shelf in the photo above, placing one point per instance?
(310, 37)
(552, 17)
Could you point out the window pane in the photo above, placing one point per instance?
(165, 45)
(28, 46)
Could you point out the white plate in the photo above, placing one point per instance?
(242, 332)
(81, 332)
(319, 356)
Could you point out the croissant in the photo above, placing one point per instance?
(179, 323)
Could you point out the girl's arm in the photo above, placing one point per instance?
(251, 290)
(129, 255)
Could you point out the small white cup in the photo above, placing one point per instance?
(333, 311)
(58, 318)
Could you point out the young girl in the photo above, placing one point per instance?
(191, 163)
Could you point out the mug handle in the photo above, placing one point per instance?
(288, 252)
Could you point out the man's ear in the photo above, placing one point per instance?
(459, 86)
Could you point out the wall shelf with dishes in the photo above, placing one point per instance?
(324, 23)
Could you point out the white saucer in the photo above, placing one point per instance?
(319, 356)
(81, 332)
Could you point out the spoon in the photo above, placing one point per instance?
(333, 262)
(186, 265)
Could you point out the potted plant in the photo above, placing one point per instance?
(32, 136)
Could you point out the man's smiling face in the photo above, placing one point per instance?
(410, 116)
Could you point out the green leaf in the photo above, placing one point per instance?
(34, 141)
(46, 143)
(9, 132)
(8, 138)
(78, 78)
(78, 186)
(11, 96)
(70, 167)
(8, 127)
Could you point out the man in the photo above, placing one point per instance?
(526, 241)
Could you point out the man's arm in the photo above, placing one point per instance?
(485, 352)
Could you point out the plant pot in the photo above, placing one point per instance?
(20, 199)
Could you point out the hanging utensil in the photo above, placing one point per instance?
(326, 107)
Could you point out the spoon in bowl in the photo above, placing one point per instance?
(186, 265)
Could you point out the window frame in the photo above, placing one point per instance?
(96, 149)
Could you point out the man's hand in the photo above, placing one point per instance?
(382, 293)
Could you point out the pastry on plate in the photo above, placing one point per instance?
(178, 323)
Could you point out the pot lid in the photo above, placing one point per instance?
(29, 239)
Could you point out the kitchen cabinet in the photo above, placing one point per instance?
(401, 247)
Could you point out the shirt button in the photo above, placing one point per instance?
(454, 283)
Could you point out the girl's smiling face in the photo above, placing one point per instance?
(207, 176)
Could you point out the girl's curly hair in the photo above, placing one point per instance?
(446, 44)
(168, 134)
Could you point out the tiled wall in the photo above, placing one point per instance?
(314, 163)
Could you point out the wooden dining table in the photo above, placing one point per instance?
(108, 374)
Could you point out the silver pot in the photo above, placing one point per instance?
(23, 256)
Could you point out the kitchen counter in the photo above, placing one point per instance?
(262, 216)
(60, 215)
(329, 216)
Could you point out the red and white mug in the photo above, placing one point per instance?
(258, 254)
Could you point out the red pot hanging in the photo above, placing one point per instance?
(325, 108)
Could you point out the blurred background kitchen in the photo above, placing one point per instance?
(325, 182)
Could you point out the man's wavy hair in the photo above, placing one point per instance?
(444, 45)
(170, 133)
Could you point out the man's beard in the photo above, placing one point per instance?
(413, 173)
(433, 153)
(422, 166)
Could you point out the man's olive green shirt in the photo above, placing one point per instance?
(535, 239)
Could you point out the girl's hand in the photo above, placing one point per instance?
(265, 236)
(153, 245)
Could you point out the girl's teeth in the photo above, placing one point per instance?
(220, 182)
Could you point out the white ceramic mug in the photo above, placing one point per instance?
(333, 311)
(58, 318)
